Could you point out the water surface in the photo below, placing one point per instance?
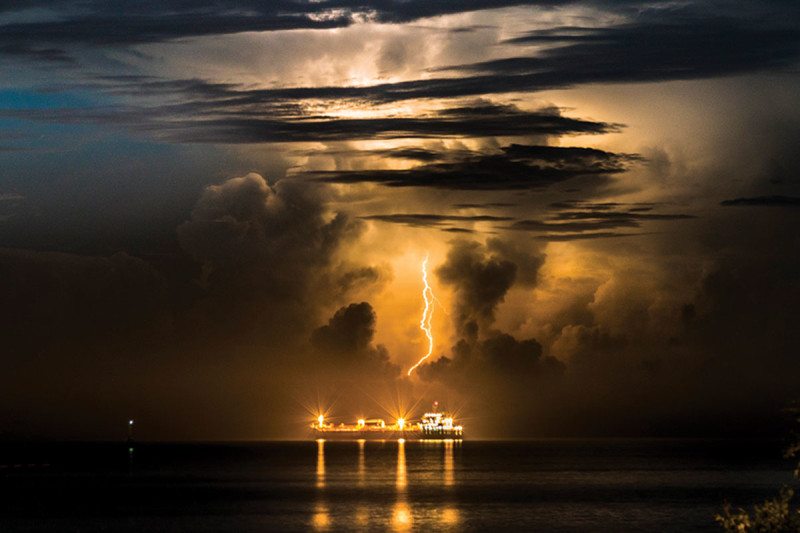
(553, 485)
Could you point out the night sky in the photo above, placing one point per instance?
(213, 215)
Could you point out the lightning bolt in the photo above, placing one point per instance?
(427, 314)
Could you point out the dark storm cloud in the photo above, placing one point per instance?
(500, 357)
(45, 54)
(596, 219)
(416, 154)
(510, 371)
(225, 113)
(481, 276)
(658, 44)
(367, 275)
(765, 201)
(516, 167)
(163, 336)
(348, 332)
(265, 252)
(102, 23)
(528, 259)
(619, 215)
(654, 43)
(423, 155)
(427, 219)
(480, 280)
(261, 259)
(458, 230)
(567, 237)
(570, 227)
(731, 354)
(508, 380)
(346, 342)
(603, 206)
(251, 129)
(221, 120)
(661, 43)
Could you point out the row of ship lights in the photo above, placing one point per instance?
(446, 423)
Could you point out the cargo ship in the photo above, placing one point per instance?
(433, 425)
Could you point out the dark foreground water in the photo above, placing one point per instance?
(428, 486)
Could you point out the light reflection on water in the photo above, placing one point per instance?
(450, 516)
(362, 468)
(553, 485)
(449, 479)
(402, 474)
(321, 519)
(434, 469)
(320, 464)
(401, 515)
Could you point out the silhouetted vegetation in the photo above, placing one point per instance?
(779, 514)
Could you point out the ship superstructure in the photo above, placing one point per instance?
(433, 425)
(437, 425)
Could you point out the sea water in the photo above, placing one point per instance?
(547, 485)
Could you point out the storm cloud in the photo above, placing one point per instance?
(593, 221)
(766, 201)
(427, 220)
(220, 119)
(516, 167)
(481, 276)
(265, 251)
(507, 368)
(213, 210)
(346, 342)
(257, 270)
(107, 23)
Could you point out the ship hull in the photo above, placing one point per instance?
(387, 434)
